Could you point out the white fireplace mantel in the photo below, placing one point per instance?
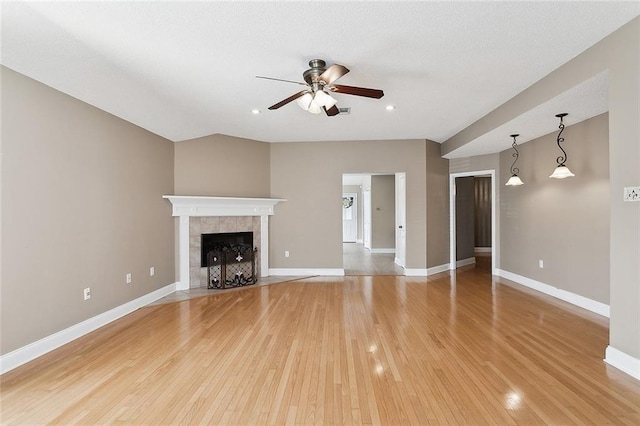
(185, 206)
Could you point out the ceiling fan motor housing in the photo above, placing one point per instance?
(318, 66)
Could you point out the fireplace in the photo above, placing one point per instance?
(201, 215)
(222, 240)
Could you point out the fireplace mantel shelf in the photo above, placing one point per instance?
(188, 205)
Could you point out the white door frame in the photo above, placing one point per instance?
(401, 219)
(366, 218)
(452, 215)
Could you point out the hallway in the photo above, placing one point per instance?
(359, 261)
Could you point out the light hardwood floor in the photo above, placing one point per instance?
(359, 261)
(461, 349)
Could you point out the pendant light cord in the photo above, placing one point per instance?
(561, 160)
(515, 155)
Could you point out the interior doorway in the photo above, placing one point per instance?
(379, 205)
(462, 223)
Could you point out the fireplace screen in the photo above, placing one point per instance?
(230, 259)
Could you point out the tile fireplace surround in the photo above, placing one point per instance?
(200, 215)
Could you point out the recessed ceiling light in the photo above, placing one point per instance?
(255, 111)
(390, 107)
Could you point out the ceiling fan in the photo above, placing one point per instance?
(319, 79)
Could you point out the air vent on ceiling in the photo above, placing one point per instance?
(344, 111)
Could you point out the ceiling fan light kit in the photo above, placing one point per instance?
(319, 80)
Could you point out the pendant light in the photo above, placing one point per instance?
(562, 171)
(514, 180)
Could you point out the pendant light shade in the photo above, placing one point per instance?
(514, 180)
(562, 171)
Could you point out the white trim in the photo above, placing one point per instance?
(575, 299)
(359, 241)
(623, 362)
(183, 254)
(292, 272)
(40, 347)
(452, 215)
(415, 272)
(465, 262)
(482, 249)
(264, 246)
(382, 250)
(188, 205)
(421, 272)
(437, 269)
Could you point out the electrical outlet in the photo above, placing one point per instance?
(286, 253)
(129, 278)
(632, 193)
(152, 271)
(87, 293)
(541, 264)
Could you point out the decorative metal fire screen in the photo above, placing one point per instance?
(231, 266)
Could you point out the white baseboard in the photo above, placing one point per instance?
(623, 362)
(415, 272)
(465, 262)
(575, 299)
(40, 347)
(438, 269)
(293, 272)
(482, 249)
(383, 250)
(421, 272)
(359, 241)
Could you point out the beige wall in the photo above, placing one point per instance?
(564, 222)
(482, 212)
(383, 212)
(465, 214)
(619, 54)
(437, 206)
(220, 165)
(81, 207)
(309, 176)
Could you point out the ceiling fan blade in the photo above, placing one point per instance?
(358, 91)
(331, 111)
(333, 73)
(279, 79)
(289, 99)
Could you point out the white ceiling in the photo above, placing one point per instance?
(187, 69)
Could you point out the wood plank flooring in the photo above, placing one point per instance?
(360, 261)
(462, 349)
